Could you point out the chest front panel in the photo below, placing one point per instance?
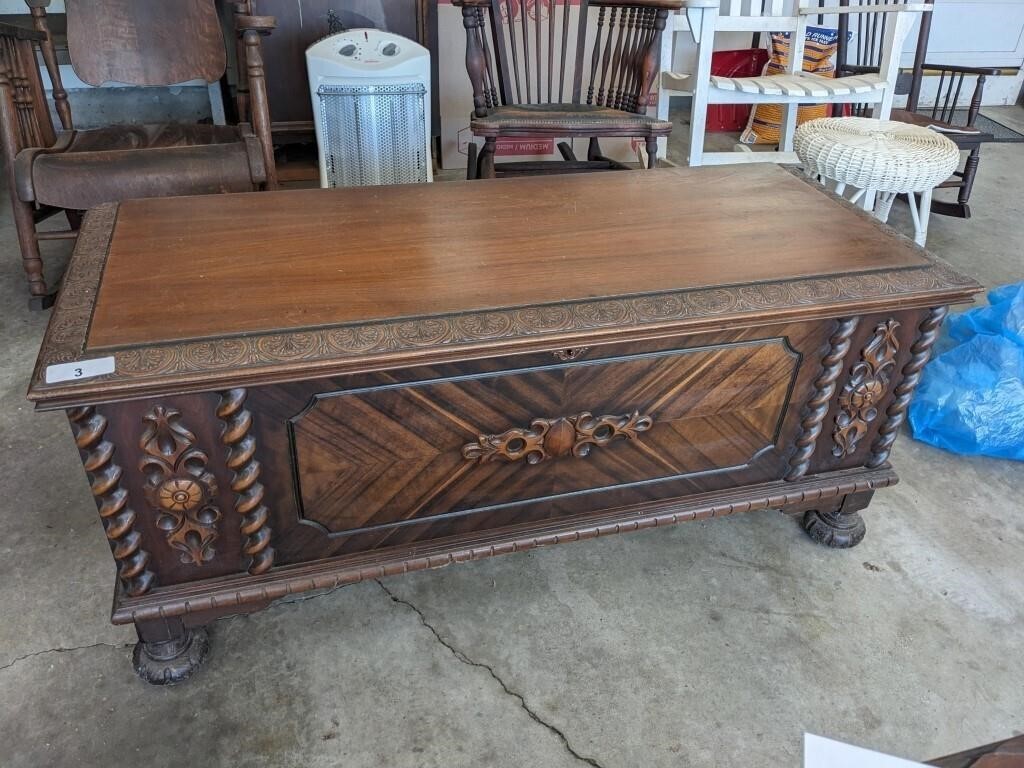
(389, 459)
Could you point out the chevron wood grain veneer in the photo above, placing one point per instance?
(302, 389)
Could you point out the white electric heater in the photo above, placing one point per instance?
(371, 107)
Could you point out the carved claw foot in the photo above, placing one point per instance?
(840, 525)
(170, 661)
(834, 529)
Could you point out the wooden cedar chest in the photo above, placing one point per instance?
(317, 387)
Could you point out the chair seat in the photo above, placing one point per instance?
(87, 168)
(566, 120)
(152, 136)
(963, 136)
(806, 84)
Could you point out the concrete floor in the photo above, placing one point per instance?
(708, 644)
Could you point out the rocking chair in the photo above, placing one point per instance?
(136, 42)
(530, 60)
(949, 114)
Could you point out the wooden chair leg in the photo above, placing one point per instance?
(787, 127)
(471, 161)
(24, 223)
(652, 152)
(970, 170)
(487, 170)
(697, 122)
(594, 149)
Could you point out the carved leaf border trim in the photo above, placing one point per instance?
(67, 334)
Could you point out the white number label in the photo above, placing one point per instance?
(81, 369)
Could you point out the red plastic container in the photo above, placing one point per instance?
(748, 62)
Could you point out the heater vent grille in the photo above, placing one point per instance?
(374, 134)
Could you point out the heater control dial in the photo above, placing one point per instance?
(347, 49)
(389, 49)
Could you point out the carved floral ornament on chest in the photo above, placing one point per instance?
(555, 438)
(178, 486)
(868, 384)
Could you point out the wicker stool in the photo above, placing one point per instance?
(881, 159)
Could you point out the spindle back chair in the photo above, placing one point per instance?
(563, 69)
(132, 42)
(956, 103)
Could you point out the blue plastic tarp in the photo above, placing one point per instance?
(971, 396)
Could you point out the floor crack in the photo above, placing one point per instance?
(462, 657)
(63, 650)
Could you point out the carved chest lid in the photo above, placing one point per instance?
(195, 293)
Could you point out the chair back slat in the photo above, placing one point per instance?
(615, 78)
(19, 72)
(866, 33)
(506, 48)
(947, 97)
(606, 57)
(552, 23)
(537, 8)
(490, 77)
(628, 59)
(595, 55)
(755, 8)
(145, 42)
(565, 49)
(553, 51)
(524, 16)
(758, 15)
(952, 101)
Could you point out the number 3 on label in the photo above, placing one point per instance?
(79, 369)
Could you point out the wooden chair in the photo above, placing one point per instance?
(705, 18)
(952, 115)
(136, 42)
(565, 75)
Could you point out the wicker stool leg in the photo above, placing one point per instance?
(884, 205)
(868, 203)
(921, 215)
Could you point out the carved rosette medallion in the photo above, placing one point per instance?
(867, 386)
(178, 486)
(555, 438)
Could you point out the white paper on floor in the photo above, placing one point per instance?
(820, 752)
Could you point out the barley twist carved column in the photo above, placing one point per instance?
(911, 375)
(104, 475)
(245, 482)
(824, 389)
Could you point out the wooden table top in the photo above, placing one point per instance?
(194, 267)
(191, 290)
